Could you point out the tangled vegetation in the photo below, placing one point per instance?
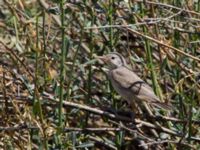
(54, 94)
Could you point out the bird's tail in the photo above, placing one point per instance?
(163, 105)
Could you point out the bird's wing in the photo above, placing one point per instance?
(125, 77)
(129, 80)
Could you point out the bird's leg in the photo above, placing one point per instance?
(110, 110)
(123, 111)
(134, 107)
(124, 103)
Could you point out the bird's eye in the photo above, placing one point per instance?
(112, 57)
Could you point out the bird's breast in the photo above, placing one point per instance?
(124, 93)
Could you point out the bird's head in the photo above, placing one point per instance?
(113, 60)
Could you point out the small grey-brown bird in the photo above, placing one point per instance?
(127, 83)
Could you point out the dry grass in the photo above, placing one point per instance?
(55, 95)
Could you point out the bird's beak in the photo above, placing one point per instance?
(103, 58)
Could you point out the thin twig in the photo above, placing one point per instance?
(103, 129)
(163, 44)
(166, 141)
(102, 142)
(169, 6)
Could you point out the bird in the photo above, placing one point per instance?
(128, 84)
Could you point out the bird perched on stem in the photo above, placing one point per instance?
(127, 83)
